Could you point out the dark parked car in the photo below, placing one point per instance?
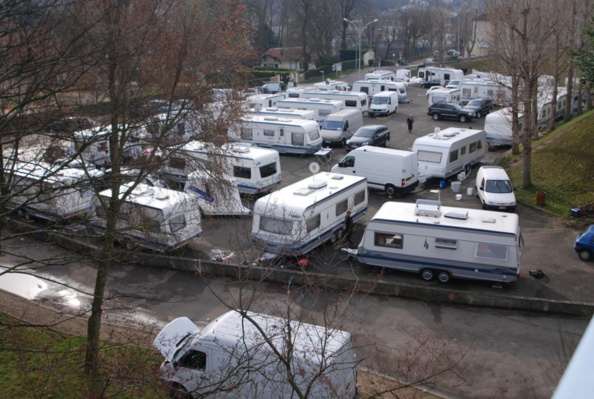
(70, 124)
(376, 135)
(444, 110)
(431, 83)
(480, 106)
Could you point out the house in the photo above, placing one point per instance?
(287, 58)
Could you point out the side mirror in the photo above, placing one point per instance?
(482, 188)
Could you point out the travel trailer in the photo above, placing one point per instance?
(498, 127)
(300, 217)
(199, 360)
(372, 87)
(386, 169)
(284, 113)
(295, 92)
(383, 103)
(217, 194)
(340, 126)
(471, 89)
(330, 85)
(321, 108)
(264, 100)
(290, 136)
(444, 75)
(349, 99)
(154, 218)
(381, 75)
(256, 170)
(403, 75)
(443, 242)
(449, 151)
(443, 95)
(49, 192)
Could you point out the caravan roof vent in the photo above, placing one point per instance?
(317, 100)
(162, 196)
(271, 118)
(456, 215)
(428, 208)
(317, 184)
(241, 148)
(489, 220)
(273, 109)
(337, 177)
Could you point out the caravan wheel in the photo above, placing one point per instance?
(427, 274)
(336, 236)
(443, 277)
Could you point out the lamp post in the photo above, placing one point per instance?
(360, 32)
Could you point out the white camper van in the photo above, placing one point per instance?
(394, 171)
(44, 191)
(381, 75)
(443, 242)
(349, 99)
(290, 136)
(321, 108)
(256, 170)
(443, 95)
(449, 151)
(199, 360)
(498, 127)
(284, 113)
(217, 194)
(383, 103)
(297, 218)
(372, 87)
(340, 126)
(155, 218)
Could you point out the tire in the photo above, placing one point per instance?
(336, 236)
(463, 118)
(390, 190)
(435, 116)
(343, 142)
(387, 142)
(479, 114)
(427, 274)
(444, 277)
(585, 255)
(178, 391)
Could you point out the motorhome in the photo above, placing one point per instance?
(447, 152)
(472, 89)
(50, 192)
(338, 127)
(321, 108)
(444, 75)
(331, 85)
(290, 136)
(403, 75)
(443, 95)
(199, 360)
(264, 100)
(217, 193)
(372, 87)
(284, 113)
(350, 99)
(498, 127)
(444, 242)
(256, 170)
(383, 103)
(381, 75)
(386, 169)
(300, 217)
(154, 218)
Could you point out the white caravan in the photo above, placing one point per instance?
(330, 85)
(243, 355)
(340, 126)
(290, 136)
(449, 151)
(444, 75)
(443, 242)
(372, 87)
(295, 92)
(350, 99)
(393, 171)
(255, 170)
(264, 100)
(321, 108)
(49, 192)
(443, 95)
(498, 127)
(383, 103)
(298, 218)
(284, 113)
(381, 75)
(472, 89)
(403, 75)
(217, 194)
(154, 218)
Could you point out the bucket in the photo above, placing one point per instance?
(456, 186)
(458, 197)
(469, 191)
(461, 176)
(442, 184)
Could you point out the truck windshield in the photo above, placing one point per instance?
(379, 100)
(332, 125)
(499, 186)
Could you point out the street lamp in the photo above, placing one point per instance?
(360, 32)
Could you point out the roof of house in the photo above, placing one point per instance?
(287, 54)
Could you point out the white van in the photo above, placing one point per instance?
(394, 171)
(322, 108)
(451, 96)
(243, 354)
(383, 103)
(155, 218)
(340, 126)
(494, 189)
(300, 217)
(449, 151)
(372, 87)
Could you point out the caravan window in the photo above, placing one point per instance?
(350, 103)
(268, 170)
(176, 162)
(342, 207)
(268, 132)
(313, 223)
(359, 197)
(429, 156)
(276, 226)
(491, 251)
(472, 148)
(466, 93)
(389, 240)
(242, 172)
(446, 243)
(297, 138)
(177, 222)
(313, 134)
(246, 133)
(463, 150)
(453, 155)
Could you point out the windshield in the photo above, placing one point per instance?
(457, 107)
(499, 186)
(364, 133)
(379, 100)
(476, 103)
(332, 125)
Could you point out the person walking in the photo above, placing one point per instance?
(409, 122)
(348, 228)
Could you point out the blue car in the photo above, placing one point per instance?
(584, 244)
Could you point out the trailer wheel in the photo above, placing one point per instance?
(336, 236)
(444, 277)
(585, 255)
(390, 190)
(128, 244)
(435, 116)
(177, 391)
(427, 274)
